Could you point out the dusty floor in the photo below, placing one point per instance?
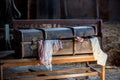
(111, 42)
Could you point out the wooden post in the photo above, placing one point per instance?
(103, 73)
(97, 9)
(28, 9)
(86, 65)
(62, 9)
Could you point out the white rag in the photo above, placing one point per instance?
(99, 55)
(45, 50)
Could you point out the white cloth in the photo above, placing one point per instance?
(99, 55)
(45, 50)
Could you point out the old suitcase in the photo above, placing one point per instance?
(85, 32)
(26, 40)
(22, 42)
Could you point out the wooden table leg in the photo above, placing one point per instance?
(103, 73)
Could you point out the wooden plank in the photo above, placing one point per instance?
(80, 58)
(57, 21)
(47, 72)
(103, 73)
(55, 60)
(61, 76)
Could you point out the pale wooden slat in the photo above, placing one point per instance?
(77, 58)
(46, 72)
(103, 73)
(61, 76)
(55, 60)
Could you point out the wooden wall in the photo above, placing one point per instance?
(50, 9)
(22, 7)
(66, 9)
(114, 10)
(104, 9)
(80, 9)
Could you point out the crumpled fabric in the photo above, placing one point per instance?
(79, 39)
(45, 50)
(99, 55)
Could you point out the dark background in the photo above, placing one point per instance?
(107, 10)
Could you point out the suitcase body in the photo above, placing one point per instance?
(25, 40)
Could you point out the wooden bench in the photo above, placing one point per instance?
(89, 71)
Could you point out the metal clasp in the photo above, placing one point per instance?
(34, 43)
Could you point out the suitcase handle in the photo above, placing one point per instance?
(33, 45)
